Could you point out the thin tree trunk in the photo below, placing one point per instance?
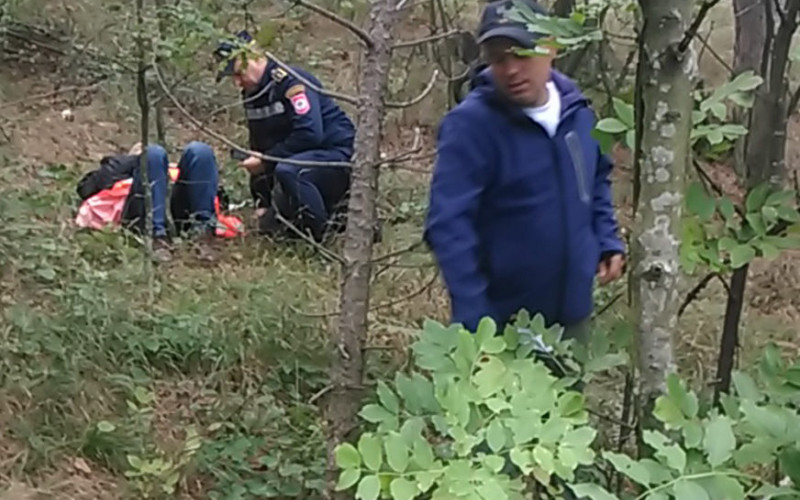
(729, 342)
(765, 150)
(748, 54)
(161, 130)
(764, 159)
(144, 106)
(347, 340)
(664, 105)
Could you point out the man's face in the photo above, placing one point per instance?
(246, 76)
(521, 77)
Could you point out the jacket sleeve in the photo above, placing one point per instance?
(307, 132)
(605, 222)
(459, 180)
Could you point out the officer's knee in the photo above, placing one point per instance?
(198, 150)
(285, 171)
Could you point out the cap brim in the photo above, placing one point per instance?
(525, 38)
(226, 71)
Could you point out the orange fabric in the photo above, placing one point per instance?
(105, 208)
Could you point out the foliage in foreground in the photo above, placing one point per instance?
(480, 417)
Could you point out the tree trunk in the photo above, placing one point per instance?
(161, 130)
(664, 107)
(765, 149)
(764, 158)
(748, 54)
(144, 106)
(348, 339)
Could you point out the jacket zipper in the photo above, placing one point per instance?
(576, 152)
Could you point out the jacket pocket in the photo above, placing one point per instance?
(579, 164)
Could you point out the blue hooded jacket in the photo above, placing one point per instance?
(518, 219)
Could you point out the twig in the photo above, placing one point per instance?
(427, 39)
(383, 305)
(613, 420)
(714, 53)
(692, 295)
(343, 97)
(199, 125)
(692, 31)
(608, 305)
(391, 255)
(324, 251)
(780, 11)
(363, 35)
(48, 94)
(420, 97)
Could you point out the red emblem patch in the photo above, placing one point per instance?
(301, 104)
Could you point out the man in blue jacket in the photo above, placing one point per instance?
(288, 119)
(520, 214)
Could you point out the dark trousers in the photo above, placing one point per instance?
(312, 195)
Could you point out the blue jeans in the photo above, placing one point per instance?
(192, 200)
(314, 191)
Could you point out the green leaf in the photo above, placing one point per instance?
(591, 491)
(757, 197)
(629, 467)
(746, 387)
(374, 414)
(788, 214)
(370, 448)
(571, 404)
(369, 488)
(403, 489)
(698, 202)
(689, 490)
(768, 492)
(756, 222)
(494, 345)
(779, 198)
(496, 435)
(742, 255)
(667, 411)
(719, 441)
(768, 252)
(728, 488)
(491, 490)
(388, 398)
(105, 426)
(489, 378)
(423, 454)
(673, 454)
(522, 459)
(715, 136)
(686, 401)
(624, 112)
(611, 126)
(348, 478)
(630, 138)
(692, 434)
(397, 452)
(545, 458)
(347, 456)
(790, 463)
(719, 111)
(726, 208)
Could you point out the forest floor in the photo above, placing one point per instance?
(102, 369)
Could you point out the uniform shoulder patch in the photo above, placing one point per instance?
(294, 90)
(300, 103)
(278, 74)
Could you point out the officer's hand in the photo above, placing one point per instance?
(253, 164)
(610, 269)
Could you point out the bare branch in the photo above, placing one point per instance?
(199, 125)
(793, 102)
(428, 284)
(343, 97)
(695, 27)
(692, 295)
(50, 94)
(324, 251)
(420, 97)
(714, 53)
(427, 39)
(361, 34)
(781, 13)
(397, 253)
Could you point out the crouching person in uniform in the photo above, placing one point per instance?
(289, 120)
(114, 194)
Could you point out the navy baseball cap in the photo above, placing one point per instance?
(226, 48)
(496, 22)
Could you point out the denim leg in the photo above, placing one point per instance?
(157, 165)
(199, 179)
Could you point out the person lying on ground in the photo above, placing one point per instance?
(288, 119)
(521, 213)
(114, 193)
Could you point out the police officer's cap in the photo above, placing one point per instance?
(226, 48)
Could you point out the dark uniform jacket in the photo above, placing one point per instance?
(286, 117)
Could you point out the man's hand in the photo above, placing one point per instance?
(253, 164)
(610, 268)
